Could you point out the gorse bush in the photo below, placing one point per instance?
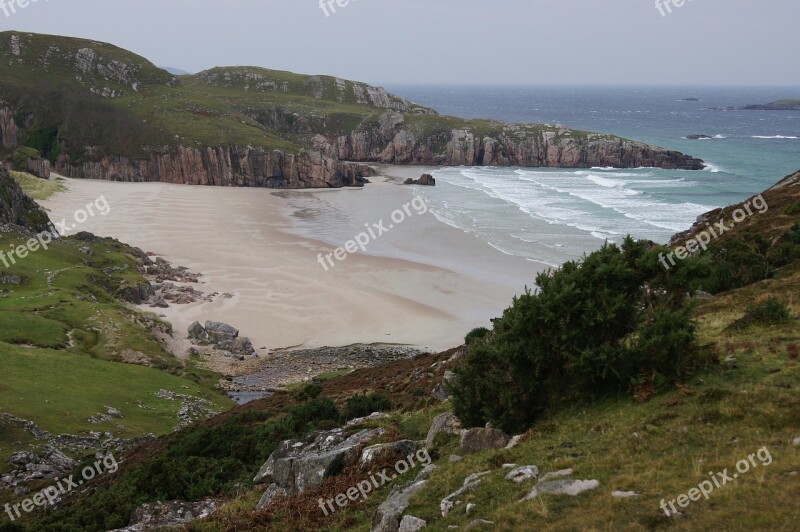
(476, 334)
(361, 405)
(769, 312)
(200, 462)
(592, 328)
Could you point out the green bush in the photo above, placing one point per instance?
(792, 209)
(19, 159)
(476, 334)
(591, 329)
(770, 312)
(361, 405)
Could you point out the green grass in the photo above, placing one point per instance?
(36, 187)
(65, 337)
(61, 390)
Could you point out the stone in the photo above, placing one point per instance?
(159, 302)
(409, 523)
(382, 451)
(523, 473)
(556, 474)
(197, 332)
(243, 346)
(797, 441)
(387, 516)
(86, 250)
(273, 492)
(113, 412)
(478, 523)
(455, 458)
(623, 494)
(446, 422)
(478, 440)
(470, 507)
(514, 441)
(449, 502)
(569, 487)
(298, 465)
(372, 417)
(424, 180)
(220, 333)
(157, 515)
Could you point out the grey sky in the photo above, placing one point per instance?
(704, 42)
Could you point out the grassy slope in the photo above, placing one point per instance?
(63, 334)
(659, 449)
(35, 187)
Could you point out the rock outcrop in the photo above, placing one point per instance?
(424, 180)
(16, 208)
(298, 465)
(478, 440)
(393, 141)
(169, 515)
(234, 166)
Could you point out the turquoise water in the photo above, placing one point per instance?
(552, 215)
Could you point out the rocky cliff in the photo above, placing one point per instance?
(16, 208)
(97, 111)
(222, 166)
(396, 139)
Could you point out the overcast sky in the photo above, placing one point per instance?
(703, 42)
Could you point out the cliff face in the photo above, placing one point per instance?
(391, 141)
(17, 208)
(222, 166)
(10, 134)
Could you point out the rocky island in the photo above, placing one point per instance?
(779, 105)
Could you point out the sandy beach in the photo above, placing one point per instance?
(421, 283)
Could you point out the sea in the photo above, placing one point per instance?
(555, 215)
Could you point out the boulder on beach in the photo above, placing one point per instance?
(425, 180)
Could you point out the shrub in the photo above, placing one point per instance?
(19, 159)
(476, 334)
(592, 328)
(769, 312)
(361, 405)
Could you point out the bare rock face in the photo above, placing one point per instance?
(479, 440)
(382, 451)
(298, 465)
(227, 166)
(171, 514)
(17, 208)
(388, 517)
(569, 487)
(446, 422)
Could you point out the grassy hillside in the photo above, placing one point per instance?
(70, 347)
(95, 94)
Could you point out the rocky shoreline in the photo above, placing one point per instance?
(282, 368)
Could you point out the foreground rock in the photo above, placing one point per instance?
(172, 514)
(298, 465)
(451, 501)
(562, 487)
(388, 516)
(447, 423)
(478, 440)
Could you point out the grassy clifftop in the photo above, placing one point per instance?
(80, 102)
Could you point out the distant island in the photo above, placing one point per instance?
(780, 105)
